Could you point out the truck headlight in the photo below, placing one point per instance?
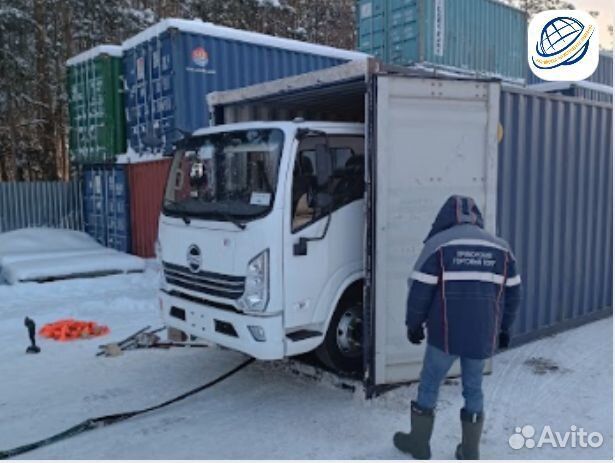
(256, 293)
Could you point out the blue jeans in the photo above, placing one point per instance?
(435, 367)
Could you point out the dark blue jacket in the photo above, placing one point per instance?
(465, 284)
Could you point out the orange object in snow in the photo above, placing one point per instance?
(69, 330)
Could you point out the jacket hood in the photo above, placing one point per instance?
(456, 210)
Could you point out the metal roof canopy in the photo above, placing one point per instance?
(558, 86)
(335, 93)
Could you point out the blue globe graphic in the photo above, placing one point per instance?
(558, 35)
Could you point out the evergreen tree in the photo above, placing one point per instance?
(38, 36)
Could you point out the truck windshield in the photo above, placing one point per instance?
(230, 176)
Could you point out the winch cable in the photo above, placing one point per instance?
(107, 420)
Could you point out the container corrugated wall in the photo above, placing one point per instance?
(604, 72)
(169, 76)
(587, 94)
(96, 109)
(555, 207)
(40, 204)
(147, 182)
(106, 205)
(481, 36)
(602, 75)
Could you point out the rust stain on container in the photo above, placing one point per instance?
(147, 181)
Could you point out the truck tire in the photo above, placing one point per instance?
(342, 348)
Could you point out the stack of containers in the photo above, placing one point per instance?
(97, 136)
(484, 37)
(170, 68)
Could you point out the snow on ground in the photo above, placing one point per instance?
(265, 411)
(34, 254)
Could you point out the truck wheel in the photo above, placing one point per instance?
(342, 349)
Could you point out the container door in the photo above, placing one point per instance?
(148, 74)
(95, 203)
(427, 139)
(117, 212)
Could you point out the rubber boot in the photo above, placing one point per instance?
(471, 429)
(416, 442)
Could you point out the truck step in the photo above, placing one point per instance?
(303, 334)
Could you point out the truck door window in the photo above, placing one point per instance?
(343, 185)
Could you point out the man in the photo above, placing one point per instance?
(466, 289)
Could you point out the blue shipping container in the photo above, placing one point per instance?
(602, 75)
(171, 67)
(475, 36)
(106, 205)
(587, 94)
(555, 207)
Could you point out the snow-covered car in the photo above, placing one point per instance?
(43, 254)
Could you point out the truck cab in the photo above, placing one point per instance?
(261, 239)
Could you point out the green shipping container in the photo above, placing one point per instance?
(96, 105)
(483, 37)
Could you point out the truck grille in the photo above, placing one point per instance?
(214, 284)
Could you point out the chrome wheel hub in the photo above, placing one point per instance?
(349, 333)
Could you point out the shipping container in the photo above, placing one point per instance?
(106, 207)
(147, 181)
(121, 204)
(555, 207)
(96, 105)
(171, 67)
(477, 36)
(552, 196)
(602, 75)
(580, 89)
(585, 93)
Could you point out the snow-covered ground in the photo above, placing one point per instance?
(265, 411)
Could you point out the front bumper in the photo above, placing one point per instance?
(225, 328)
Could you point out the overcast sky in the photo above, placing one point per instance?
(605, 7)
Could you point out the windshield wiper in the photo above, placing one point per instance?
(233, 220)
(183, 213)
(180, 207)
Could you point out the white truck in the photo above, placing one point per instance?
(284, 231)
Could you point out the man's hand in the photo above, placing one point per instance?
(417, 335)
(503, 340)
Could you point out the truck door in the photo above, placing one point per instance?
(324, 210)
(427, 139)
